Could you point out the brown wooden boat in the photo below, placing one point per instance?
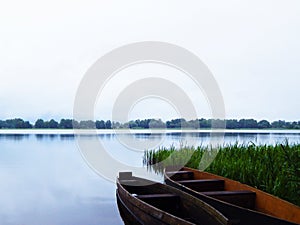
(237, 201)
(155, 203)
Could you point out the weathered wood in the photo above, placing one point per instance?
(157, 196)
(167, 202)
(140, 200)
(204, 185)
(241, 198)
(265, 203)
(125, 175)
(181, 175)
(126, 216)
(277, 214)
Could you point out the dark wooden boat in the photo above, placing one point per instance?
(155, 203)
(237, 201)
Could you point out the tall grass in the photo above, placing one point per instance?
(274, 169)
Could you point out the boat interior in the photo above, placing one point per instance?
(156, 195)
(215, 188)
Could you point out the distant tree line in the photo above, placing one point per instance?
(15, 124)
(149, 123)
(52, 124)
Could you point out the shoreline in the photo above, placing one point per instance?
(142, 131)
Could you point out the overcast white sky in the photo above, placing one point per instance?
(251, 47)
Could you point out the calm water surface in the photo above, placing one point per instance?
(44, 179)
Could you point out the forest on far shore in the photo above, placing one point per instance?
(149, 123)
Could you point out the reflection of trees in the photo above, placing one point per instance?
(46, 136)
(14, 137)
(67, 137)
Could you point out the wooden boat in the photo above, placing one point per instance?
(155, 203)
(237, 201)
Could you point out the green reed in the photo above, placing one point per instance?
(274, 169)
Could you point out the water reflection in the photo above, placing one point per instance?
(44, 180)
(40, 137)
(14, 137)
(67, 137)
(169, 138)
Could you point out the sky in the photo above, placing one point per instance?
(251, 47)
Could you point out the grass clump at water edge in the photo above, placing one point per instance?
(274, 169)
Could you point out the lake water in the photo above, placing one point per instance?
(45, 180)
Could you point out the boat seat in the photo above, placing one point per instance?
(180, 175)
(166, 202)
(204, 184)
(241, 198)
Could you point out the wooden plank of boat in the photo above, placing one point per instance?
(236, 201)
(126, 216)
(155, 203)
